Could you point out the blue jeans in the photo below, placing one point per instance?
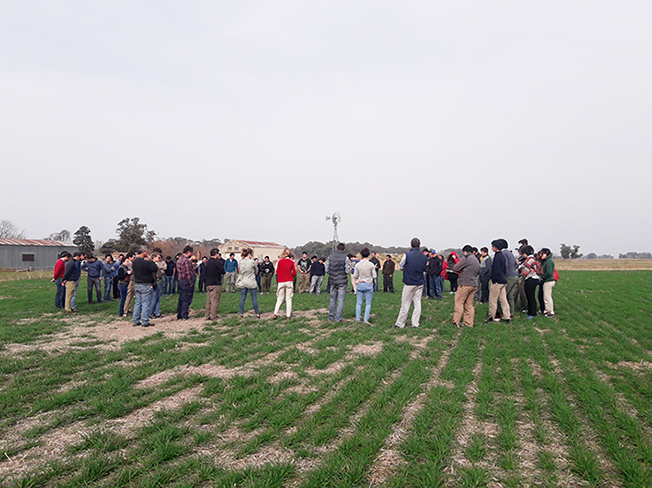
(186, 292)
(144, 294)
(108, 288)
(155, 306)
(73, 300)
(167, 285)
(123, 289)
(365, 290)
(439, 286)
(254, 299)
(60, 297)
(337, 295)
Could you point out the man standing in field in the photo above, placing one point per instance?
(59, 271)
(468, 268)
(485, 275)
(303, 266)
(214, 272)
(338, 268)
(186, 274)
(413, 265)
(389, 266)
(498, 283)
(231, 270)
(93, 268)
(144, 277)
(376, 262)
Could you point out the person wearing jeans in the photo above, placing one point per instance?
(246, 281)
(144, 276)
(365, 274)
(186, 283)
(338, 268)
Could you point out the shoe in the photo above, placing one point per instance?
(257, 315)
(367, 322)
(137, 324)
(456, 325)
(274, 317)
(511, 317)
(508, 321)
(157, 316)
(530, 317)
(123, 315)
(496, 320)
(488, 319)
(288, 318)
(549, 315)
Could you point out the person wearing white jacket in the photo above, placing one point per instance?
(246, 281)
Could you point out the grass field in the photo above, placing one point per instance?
(90, 400)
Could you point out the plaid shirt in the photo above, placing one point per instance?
(185, 269)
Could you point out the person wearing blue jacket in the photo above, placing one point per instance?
(94, 268)
(413, 265)
(498, 292)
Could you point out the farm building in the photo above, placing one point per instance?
(32, 253)
(260, 248)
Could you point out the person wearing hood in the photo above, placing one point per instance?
(548, 281)
(497, 291)
(452, 275)
(468, 269)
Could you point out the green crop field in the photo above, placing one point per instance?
(89, 400)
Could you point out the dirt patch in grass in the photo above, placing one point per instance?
(633, 365)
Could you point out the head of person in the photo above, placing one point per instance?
(365, 253)
(415, 243)
(286, 253)
(232, 256)
(475, 250)
(187, 251)
(158, 250)
(314, 258)
(497, 245)
(121, 256)
(267, 259)
(246, 252)
(156, 257)
(484, 251)
(91, 258)
(65, 255)
(373, 254)
(143, 253)
(322, 260)
(388, 257)
(129, 256)
(545, 253)
(255, 260)
(425, 251)
(340, 246)
(214, 252)
(204, 259)
(168, 259)
(468, 249)
(527, 250)
(433, 253)
(304, 255)
(108, 258)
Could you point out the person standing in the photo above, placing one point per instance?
(107, 277)
(468, 269)
(168, 278)
(433, 273)
(285, 272)
(231, 273)
(413, 265)
(338, 267)
(548, 280)
(200, 273)
(144, 276)
(57, 279)
(70, 279)
(485, 274)
(376, 262)
(365, 275)
(389, 266)
(317, 272)
(157, 287)
(303, 266)
(246, 281)
(94, 268)
(214, 275)
(498, 283)
(186, 276)
(531, 270)
(124, 276)
(352, 262)
(452, 275)
(511, 288)
(267, 272)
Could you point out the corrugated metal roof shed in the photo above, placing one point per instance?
(35, 242)
(259, 243)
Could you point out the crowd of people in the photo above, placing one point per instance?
(141, 279)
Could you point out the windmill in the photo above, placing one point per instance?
(335, 218)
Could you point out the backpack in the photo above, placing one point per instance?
(555, 274)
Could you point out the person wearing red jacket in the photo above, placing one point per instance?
(59, 270)
(285, 273)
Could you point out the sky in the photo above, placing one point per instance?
(456, 122)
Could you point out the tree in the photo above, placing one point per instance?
(132, 235)
(83, 240)
(63, 236)
(565, 251)
(8, 230)
(575, 252)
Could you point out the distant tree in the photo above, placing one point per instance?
(605, 256)
(83, 240)
(63, 236)
(108, 247)
(132, 235)
(591, 255)
(565, 251)
(635, 255)
(8, 230)
(575, 252)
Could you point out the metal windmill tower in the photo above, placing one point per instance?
(335, 218)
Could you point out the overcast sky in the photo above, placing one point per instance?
(457, 122)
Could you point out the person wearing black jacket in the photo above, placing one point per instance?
(434, 268)
(213, 274)
(497, 291)
(266, 273)
(144, 277)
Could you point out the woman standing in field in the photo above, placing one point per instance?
(530, 272)
(452, 275)
(246, 281)
(124, 274)
(548, 281)
(285, 273)
(364, 274)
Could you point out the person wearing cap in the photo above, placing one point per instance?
(413, 265)
(433, 271)
(468, 269)
(498, 282)
(389, 266)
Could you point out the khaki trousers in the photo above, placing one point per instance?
(497, 293)
(304, 282)
(70, 291)
(213, 296)
(464, 305)
(285, 292)
(547, 297)
(411, 293)
(131, 293)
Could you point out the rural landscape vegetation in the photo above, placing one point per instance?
(89, 400)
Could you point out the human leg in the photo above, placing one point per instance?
(359, 296)
(123, 298)
(494, 292)
(504, 304)
(416, 300)
(341, 295)
(60, 297)
(468, 295)
(530, 286)
(108, 288)
(547, 297)
(367, 291)
(280, 296)
(254, 299)
(511, 292)
(70, 289)
(243, 297)
(406, 299)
